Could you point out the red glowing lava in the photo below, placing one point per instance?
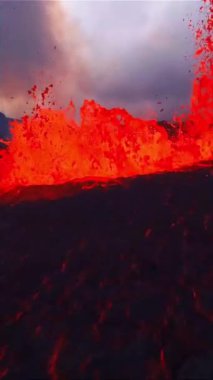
(49, 147)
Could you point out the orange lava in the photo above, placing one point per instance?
(49, 147)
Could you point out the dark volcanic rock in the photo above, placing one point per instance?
(4, 126)
(197, 368)
(111, 283)
(4, 130)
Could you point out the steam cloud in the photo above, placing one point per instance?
(38, 47)
(122, 54)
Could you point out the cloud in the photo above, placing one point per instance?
(39, 46)
(131, 54)
(142, 53)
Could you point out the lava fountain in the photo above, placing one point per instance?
(49, 147)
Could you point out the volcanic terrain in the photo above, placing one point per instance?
(112, 282)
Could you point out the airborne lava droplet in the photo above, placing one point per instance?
(50, 148)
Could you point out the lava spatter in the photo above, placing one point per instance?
(49, 147)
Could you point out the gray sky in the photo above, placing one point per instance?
(132, 54)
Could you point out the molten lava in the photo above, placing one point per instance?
(50, 148)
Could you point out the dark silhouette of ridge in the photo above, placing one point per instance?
(4, 126)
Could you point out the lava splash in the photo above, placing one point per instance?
(50, 147)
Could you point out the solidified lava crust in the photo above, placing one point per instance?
(111, 283)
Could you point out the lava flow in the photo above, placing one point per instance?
(50, 147)
(113, 284)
